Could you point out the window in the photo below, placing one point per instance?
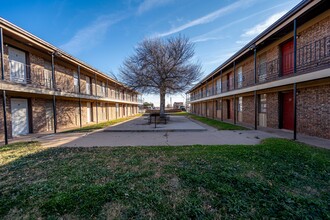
(218, 86)
(75, 82)
(240, 104)
(239, 77)
(88, 85)
(103, 88)
(262, 103)
(17, 64)
(262, 68)
(48, 80)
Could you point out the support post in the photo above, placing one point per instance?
(221, 109)
(295, 84)
(234, 76)
(1, 54)
(294, 46)
(95, 86)
(5, 116)
(255, 110)
(79, 91)
(54, 113)
(255, 65)
(295, 111)
(54, 88)
(235, 110)
(97, 113)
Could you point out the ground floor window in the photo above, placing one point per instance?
(262, 103)
(240, 104)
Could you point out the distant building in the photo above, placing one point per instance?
(177, 105)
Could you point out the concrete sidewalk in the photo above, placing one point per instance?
(175, 124)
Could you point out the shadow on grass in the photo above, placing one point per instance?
(275, 179)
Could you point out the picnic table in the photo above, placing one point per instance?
(157, 118)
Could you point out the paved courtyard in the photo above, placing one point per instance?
(179, 131)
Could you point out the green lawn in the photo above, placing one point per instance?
(101, 125)
(276, 179)
(217, 124)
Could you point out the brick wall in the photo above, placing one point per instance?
(39, 114)
(313, 111)
(248, 109)
(272, 102)
(67, 113)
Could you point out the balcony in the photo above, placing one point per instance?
(310, 57)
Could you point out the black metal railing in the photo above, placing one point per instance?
(310, 57)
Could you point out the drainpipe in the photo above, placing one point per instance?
(54, 98)
(221, 109)
(5, 116)
(295, 84)
(1, 54)
(79, 91)
(234, 75)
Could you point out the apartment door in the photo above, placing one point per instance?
(17, 64)
(89, 112)
(19, 117)
(287, 110)
(287, 58)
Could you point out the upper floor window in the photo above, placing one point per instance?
(218, 87)
(103, 88)
(262, 68)
(75, 82)
(48, 79)
(17, 65)
(88, 85)
(239, 77)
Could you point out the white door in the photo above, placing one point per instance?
(17, 63)
(19, 117)
(89, 109)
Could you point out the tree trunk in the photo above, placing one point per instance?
(162, 103)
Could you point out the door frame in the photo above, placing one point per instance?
(28, 115)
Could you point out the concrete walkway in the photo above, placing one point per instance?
(175, 124)
(210, 136)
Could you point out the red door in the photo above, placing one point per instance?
(288, 110)
(287, 58)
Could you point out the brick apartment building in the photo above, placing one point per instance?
(281, 79)
(44, 89)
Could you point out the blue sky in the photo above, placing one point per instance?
(103, 33)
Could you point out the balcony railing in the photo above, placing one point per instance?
(40, 77)
(309, 57)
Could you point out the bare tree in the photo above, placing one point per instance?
(160, 67)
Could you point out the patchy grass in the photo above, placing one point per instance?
(18, 150)
(180, 113)
(101, 125)
(276, 179)
(217, 124)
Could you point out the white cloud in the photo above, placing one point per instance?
(147, 5)
(257, 29)
(209, 17)
(206, 39)
(91, 35)
(217, 30)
